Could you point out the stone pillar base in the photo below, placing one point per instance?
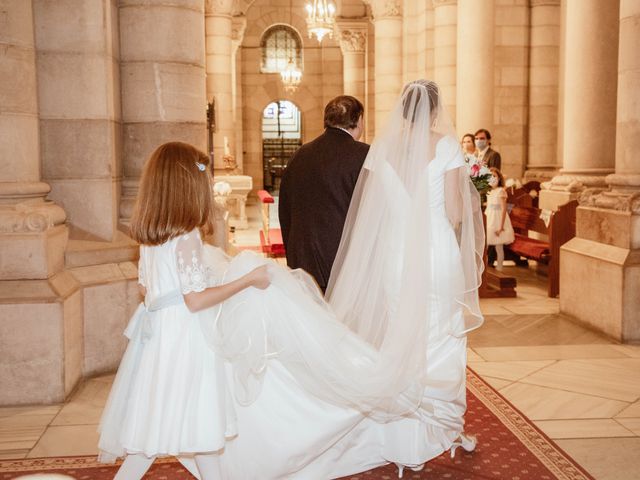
(32, 255)
(42, 346)
(542, 174)
(553, 199)
(600, 272)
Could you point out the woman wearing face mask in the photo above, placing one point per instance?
(499, 229)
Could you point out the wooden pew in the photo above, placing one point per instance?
(522, 196)
(561, 229)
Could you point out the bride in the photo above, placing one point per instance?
(376, 372)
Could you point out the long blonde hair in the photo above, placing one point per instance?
(175, 195)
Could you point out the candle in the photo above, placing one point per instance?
(226, 146)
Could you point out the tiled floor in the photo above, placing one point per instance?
(579, 387)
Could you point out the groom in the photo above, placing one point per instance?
(317, 186)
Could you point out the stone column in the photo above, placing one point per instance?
(544, 61)
(589, 110)
(352, 36)
(603, 261)
(475, 72)
(387, 15)
(220, 66)
(163, 82)
(32, 235)
(444, 55)
(79, 95)
(239, 25)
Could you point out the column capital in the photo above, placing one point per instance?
(441, 3)
(238, 26)
(219, 7)
(352, 35)
(542, 3)
(385, 8)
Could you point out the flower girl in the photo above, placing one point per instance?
(169, 396)
(499, 229)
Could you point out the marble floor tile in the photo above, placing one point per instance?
(513, 371)
(629, 350)
(13, 454)
(67, 440)
(631, 411)
(541, 403)
(533, 309)
(472, 356)
(617, 379)
(15, 437)
(587, 428)
(632, 424)
(497, 383)
(549, 352)
(86, 405)
(606, 458)
(37, 410)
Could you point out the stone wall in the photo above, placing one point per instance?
(322, 79)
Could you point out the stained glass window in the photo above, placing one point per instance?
(279, 44)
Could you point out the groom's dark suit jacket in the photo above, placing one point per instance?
(315, 193)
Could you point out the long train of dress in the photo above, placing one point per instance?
(287, 432)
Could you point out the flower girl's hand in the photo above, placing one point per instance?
(259, 277)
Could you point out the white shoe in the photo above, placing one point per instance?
(467, 442)
(401, 467)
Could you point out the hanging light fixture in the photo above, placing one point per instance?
(291, 75)
(320, 19)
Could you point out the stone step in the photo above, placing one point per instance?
(81, 253)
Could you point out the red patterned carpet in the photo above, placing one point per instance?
(509, 447)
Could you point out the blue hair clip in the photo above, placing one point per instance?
(201, 166)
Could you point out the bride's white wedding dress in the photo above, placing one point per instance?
(303, 396)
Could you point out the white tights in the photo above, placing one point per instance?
(500, 256)
(206, 466)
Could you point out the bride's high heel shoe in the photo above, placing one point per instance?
(467, 442)
(401, 467)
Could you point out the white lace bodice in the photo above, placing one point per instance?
(175, 265)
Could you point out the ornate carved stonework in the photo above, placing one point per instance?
(30, 217)
(238, 26)
(219, 7)
(385, 8)
(625, 202)
(577, 183)
(353, 41)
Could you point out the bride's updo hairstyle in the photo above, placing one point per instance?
(174, 196)
(411, 98)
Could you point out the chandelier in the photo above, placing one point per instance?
(320, 19)
(291, 77)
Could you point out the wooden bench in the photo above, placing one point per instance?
(270, 238)
(522, 196)
(561, 228)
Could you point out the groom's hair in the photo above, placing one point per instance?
(343, 112)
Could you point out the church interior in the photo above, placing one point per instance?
(89, 88)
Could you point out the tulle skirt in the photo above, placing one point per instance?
(169, 396)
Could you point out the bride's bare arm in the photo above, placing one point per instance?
(453, 196)
(196, 301)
